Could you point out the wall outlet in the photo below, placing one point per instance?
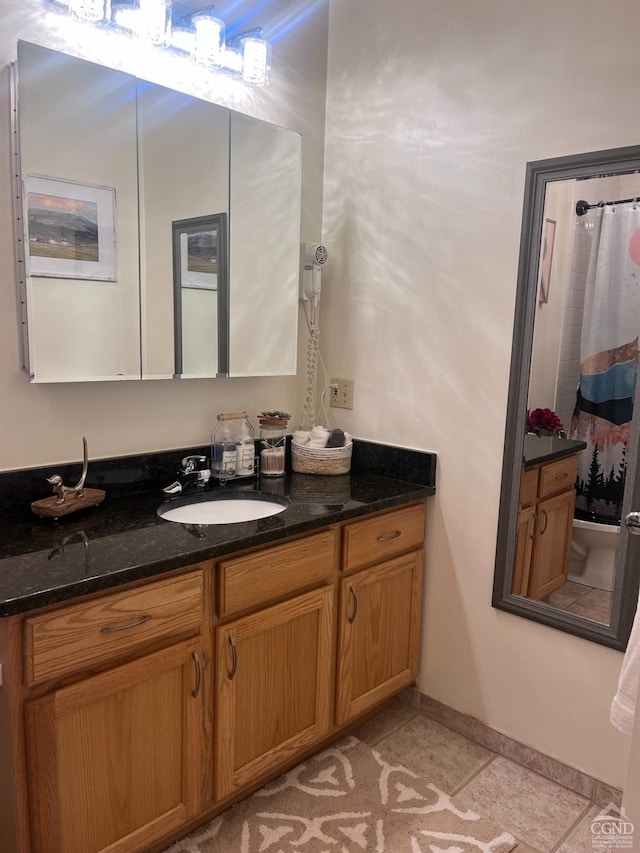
(341, 393)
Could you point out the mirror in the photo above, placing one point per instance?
(130, 162)
(81, 325)
(266, 180)
(183, 146)
(562, 557)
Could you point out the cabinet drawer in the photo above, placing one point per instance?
(558, 476)
(378, 538)
(275, 572)
(529, 487)
(95, 632)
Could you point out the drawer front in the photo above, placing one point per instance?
(95, 632)
(381, 537)
(558, 476)
(529, 487)
(273, 573)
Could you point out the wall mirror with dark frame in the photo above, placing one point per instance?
(571, 469)
(109, 167)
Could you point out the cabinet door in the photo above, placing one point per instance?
(551, 545)
(524, 550)
(379, 642)
(114, 759)
(274, 697)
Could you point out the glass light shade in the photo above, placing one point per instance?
(256, 60)
(92, 11)
(209, 38)
(153, 21)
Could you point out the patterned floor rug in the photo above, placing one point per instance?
(347, 799)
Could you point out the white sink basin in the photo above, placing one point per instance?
(221, 511)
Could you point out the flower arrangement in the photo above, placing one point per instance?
(544, 422)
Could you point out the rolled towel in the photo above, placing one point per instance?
(319, 437)
(623, 707)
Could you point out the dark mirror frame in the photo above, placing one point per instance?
(199, 224)
(625, 595)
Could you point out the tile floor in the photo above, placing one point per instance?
(582, 600)
(544, 816)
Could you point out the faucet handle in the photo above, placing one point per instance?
(193, 463)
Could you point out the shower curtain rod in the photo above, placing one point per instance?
(583, 206)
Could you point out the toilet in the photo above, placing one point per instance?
(593, 553)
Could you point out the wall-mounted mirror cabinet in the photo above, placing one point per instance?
(159, 234)
(563, 557)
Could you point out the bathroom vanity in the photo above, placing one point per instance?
(545, 517)
(153, 672)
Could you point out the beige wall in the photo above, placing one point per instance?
(43, 424)
(433, 110)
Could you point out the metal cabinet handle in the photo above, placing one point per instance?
(390, 536)
(116, 630)
(234, 658)
(546, 520)
(562, 476)
(632, 523)
(354, 599)
(196, 660)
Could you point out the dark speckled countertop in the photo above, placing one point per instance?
(545, 448)
(123, 540)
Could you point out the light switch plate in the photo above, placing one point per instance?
(341, 393)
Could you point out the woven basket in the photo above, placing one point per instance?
(315, 460)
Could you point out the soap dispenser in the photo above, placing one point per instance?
(224, 454)
(245, 452)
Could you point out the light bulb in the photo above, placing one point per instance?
(256, 60)
(92, 11)
(209, 38)
(153, 21)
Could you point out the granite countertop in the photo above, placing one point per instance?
(545, 448)
(43, 562)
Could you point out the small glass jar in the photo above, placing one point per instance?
(273, 439)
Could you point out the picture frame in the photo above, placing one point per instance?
(69, 229)
(197, 250)
(546, 259)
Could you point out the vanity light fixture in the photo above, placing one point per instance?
(200, 36)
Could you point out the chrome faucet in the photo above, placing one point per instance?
(194, 471)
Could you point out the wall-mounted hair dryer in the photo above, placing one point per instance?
(312, 256)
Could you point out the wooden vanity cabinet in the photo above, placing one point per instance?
(545, 524)
(111, 759)
(273, 695)
(274, 666)
(380, 606)
(147, 709)
(114, 747)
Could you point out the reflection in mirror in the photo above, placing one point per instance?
(264, 253)
(82, 287)
(561, 556)
(199, 278)
(184, 175)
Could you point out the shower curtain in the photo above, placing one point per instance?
(608, 360)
